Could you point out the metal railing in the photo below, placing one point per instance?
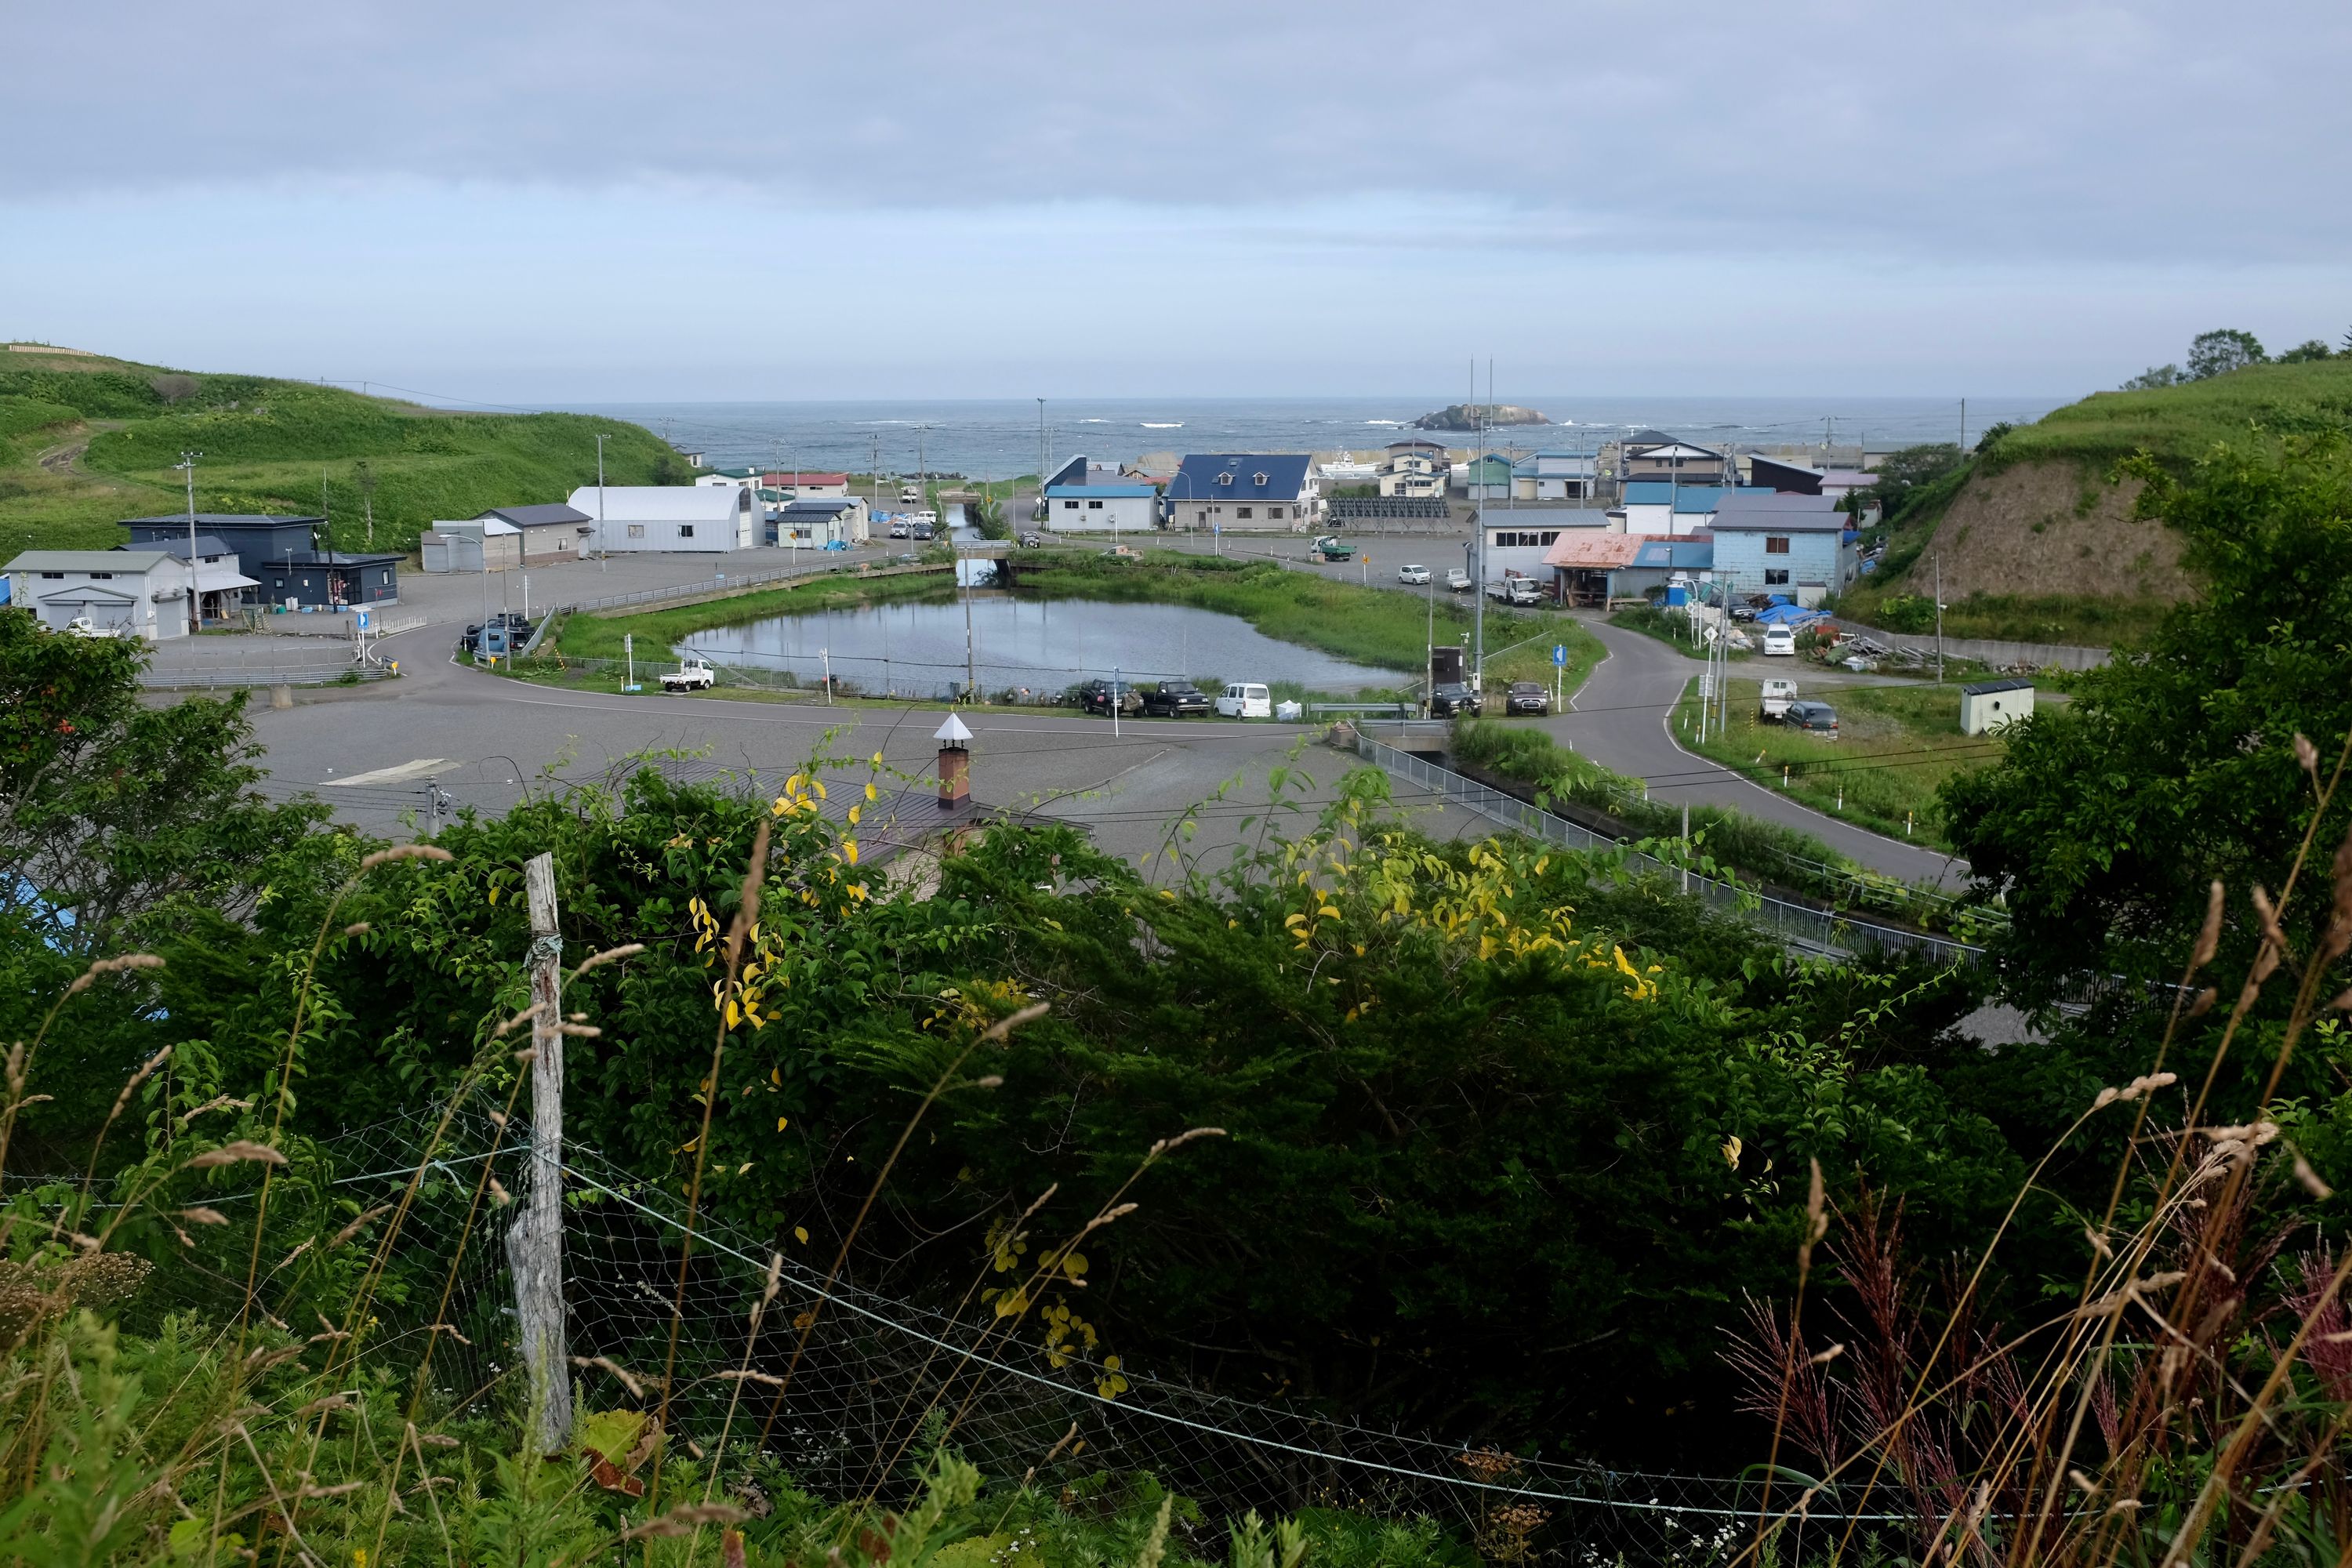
(1819, 929)
(729, 583)
(257, 675)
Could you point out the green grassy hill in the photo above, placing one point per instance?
(2037, 546)
(86, 440)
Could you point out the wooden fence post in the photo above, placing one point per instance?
(535, 1245)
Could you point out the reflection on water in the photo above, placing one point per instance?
(1045, 644)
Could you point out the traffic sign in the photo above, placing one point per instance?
(1560, 653)
(363, 618)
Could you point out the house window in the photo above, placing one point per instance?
(102, 576)
(1776, 544)
(1549, 538)
(1241, 511)
(637, 531)
(1776, 576)
(1093, 506)
(1274, 511)
(55, 576)
(685, 530)
(1069, 505)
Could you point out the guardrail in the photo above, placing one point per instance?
(729, 583)
(255, 676)
(1823, 931)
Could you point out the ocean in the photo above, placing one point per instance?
(997, 438)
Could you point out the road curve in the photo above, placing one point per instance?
(1622, 719)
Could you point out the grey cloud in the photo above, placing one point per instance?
(2013, 128)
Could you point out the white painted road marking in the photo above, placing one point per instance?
(416, 769)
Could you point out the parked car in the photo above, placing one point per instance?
(1818, 719)
(1773, 699)
(1094, 696)
(1174, 700)
(1031, 540)
(1743, 611)
(1417, 576)
(898, 528)
(1331, 547)
(910, 494)
(1457, 579)
(1245, 700)
(692, 674)
(1515, 590)
(920, 532)
(1453, 699)
(1780, 642)
(1527, 697)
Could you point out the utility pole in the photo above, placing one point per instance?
(1042, 515)
(535, 1245)
(187, 465)
(1964, 427)
(604, 546)
(1939, 617)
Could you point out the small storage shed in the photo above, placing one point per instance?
(1990, 704)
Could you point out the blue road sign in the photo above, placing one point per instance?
(1560, 653)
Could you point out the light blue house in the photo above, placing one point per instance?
(1776, 543)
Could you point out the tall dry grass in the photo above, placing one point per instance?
(2190, 1406)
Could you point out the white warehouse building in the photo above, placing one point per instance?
(702, 519)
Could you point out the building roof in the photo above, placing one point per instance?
(1794, 467)
(142, 559)
(1986, 687)
(1847, 479)
(1556, 466)
(830, 506)
(1685, 498)
(1240, 476)
(1747, 511)
(1674, 449)
(1103, 493)
(219, 520)
(664, 503)
(548, 514)
(1690, 553)
(1641, 439)
(1594, 551)
(1411, 443)
(206, 544)
(785, 478)
(337, 558)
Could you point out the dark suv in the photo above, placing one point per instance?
(1452, 699)
(1094, 696)
(1527, 697)
(1174, 700)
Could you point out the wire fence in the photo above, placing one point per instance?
(255, 675)
(724, 582)
(851, 1390)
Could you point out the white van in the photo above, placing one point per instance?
(1780, 640)
(1773, 697)
(1245, 700)
(910, 494)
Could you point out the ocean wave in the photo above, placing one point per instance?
(1148, 425)
(1094, 421)
(1396, 422)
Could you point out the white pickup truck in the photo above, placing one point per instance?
(1773, 698)
(692, 674)
(1515, 590)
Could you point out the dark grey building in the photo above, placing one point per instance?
(281, 554)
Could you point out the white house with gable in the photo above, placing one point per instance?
(696, 519)
(122, 593)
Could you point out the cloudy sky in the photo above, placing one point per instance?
(737, 200)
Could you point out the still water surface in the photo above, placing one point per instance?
(1045, 644)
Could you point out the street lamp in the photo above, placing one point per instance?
(603, 547)
(187, 465)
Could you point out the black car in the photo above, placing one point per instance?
(1527, 697)
(1174, 700)
(1094, 696)
(1452, 699)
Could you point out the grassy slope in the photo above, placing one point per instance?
(267, 445)
(2085, 440)
(1896, 745)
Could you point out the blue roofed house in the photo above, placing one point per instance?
(1658, 561)
(1781, 542)
(1265, 491)
(1089, 498)
(1665, 507)
(1554, 476)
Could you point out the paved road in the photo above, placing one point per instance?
(1621, 718)
(375, 751)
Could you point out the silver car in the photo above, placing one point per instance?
(1416, 575)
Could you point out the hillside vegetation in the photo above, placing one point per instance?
(2037, 544)
(86, 441)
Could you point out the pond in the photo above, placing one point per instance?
(1045, 645)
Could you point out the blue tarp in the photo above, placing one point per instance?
(1786, 614)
